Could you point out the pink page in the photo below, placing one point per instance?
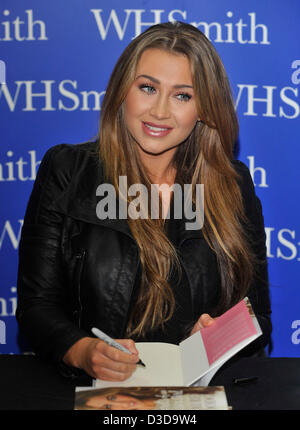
(228, 330)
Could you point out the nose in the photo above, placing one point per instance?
(160, 108)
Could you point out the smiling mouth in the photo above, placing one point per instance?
(156, 128)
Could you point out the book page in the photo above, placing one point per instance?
(203, 355)
(229, 329)
(194, 358)
(204, 381)
(163, 367)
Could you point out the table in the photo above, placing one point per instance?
(27, 383)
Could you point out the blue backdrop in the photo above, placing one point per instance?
(57, 57)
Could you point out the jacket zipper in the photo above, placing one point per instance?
(80, 261)
(131, 291)
(188, 279)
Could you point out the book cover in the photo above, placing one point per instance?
(151, 398)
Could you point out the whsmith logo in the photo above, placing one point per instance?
(20, 29)
(132, 22)
(42, 96)
(16, 168)
(243, 32)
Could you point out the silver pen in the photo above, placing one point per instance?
(98, 333)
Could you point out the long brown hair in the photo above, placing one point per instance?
(203, 158)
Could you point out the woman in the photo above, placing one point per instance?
(167, 118)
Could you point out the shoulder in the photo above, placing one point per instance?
(252, 204)
(63, 156)
(243, 172)
(61, 163)
(245, 180)
(65, 169)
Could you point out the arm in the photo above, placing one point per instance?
(43, 311)
(42, 280)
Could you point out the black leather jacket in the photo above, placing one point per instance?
(77, 271)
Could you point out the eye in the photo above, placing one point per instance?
(146, 88)
(184, 97)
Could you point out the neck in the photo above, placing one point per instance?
(159, 167)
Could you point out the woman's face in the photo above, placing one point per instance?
(159, 109)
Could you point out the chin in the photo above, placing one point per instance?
(156, 148)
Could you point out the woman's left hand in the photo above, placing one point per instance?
(204, 321)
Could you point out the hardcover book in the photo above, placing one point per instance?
(151, 398)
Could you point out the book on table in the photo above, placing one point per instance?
(151, 398)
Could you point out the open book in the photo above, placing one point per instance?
(196, 359)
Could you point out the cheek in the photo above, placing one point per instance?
(134, 105)
(186, 116)
(129, 116)
(188, 121)
(128, 108)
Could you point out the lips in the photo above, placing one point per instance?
(155, 129)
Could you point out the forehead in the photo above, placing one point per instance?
(165, 66)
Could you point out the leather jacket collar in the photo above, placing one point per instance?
(79, 200)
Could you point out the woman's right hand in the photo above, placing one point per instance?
(103, 361)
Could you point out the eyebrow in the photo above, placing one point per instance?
(158, 82)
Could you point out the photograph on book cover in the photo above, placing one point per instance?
(151, 398)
